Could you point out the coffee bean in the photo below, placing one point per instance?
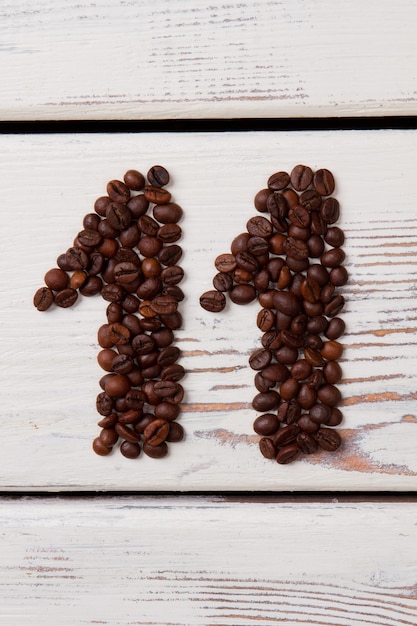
(259, 226)
(260, 359)
(134, 180)
(307, 443)
(287, 303)
(301, 177)
(118, 216)
(328, 439)
(156, 432)
(66, 297)
(43, 298)
(267, 448)
(323, 182)
(335, 328)
(278, 181)
(158, 176)
(330, 210)
(157, 195)
(266, 401)
(167, 213)
(118, 191)
(288, 454)
(213, 301)
(266, 424)
(242, 294)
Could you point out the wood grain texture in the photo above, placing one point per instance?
(123, 59)
(207, 561)
(49, 371)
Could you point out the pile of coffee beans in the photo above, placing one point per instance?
(127, 251)
(290, 259)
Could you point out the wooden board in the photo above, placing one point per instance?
(49, 372)
(199, 561)
(158, 60)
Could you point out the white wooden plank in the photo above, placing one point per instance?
(49, 372)
(207, 561)
(146, 60)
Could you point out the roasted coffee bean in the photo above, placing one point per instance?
(335, 237)
(328, 439)
(329, 394)
(100, 448)
(320, 413)
(66, 297)
(155, 452)
(335, 328)
(213, 301)
(287, 303)
(286, 355)
(301, 369)
(118, 215)
(335, 306)
(169, 233)
(332, 372)
(167, 213)
(175, 432)
(260, 359)
(134, 180)
(266, 401)
(301, 177)
(306, 424)
(56, 279)
(158, 176)
(310, 290)
(276, 372)
(311, 200)
(260, 200)
(266, 424)
(259, 226)
(339, 276)
(157, 195)
(222, 282)
(296, 249)
(76, 258)
(289, 389)
(330, 210)
(278, 181)
(242, 294)
(333, 257)
(265, 319)
(331, 350)
(306, 397)
(307, 443)
(247, 262)
(170, 255)
(118, 191)
(104, 404)
(43, 298)
(323, 182)
(288, 454)
(156, 432)
(130, 450)
(262, 384)
(267, 448)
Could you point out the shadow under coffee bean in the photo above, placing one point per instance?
(127, 252)
(290, 259)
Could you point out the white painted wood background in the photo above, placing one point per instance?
(49, 369)
(185, 559)
(118, 59)
(180, 561)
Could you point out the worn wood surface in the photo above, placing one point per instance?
(207, 561)
(180, 59)
(49, 372)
